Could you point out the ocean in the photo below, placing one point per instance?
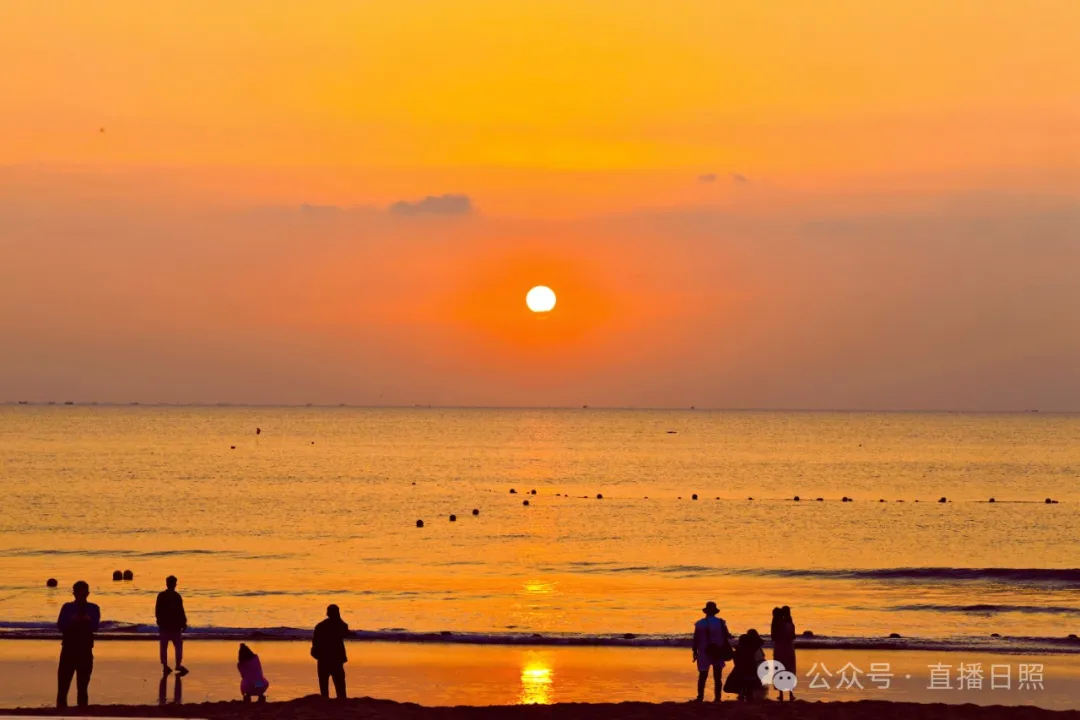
(267, 514)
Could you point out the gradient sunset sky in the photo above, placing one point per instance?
(801, 204)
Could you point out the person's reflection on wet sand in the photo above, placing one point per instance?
(178, 690)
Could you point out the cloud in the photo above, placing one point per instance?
(434, 205)
(739, 179)
(707, 178)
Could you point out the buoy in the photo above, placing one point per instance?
(694, 496)
(453, 518)
(992, 500)
(51, 582)
(526, 502)
(513, 491)
(599, 496)
(942, 500)
(796, 498)
(128, 575)
(1049, 501)
(419, 523)
(821, 499)
(881, 500)
(117, 575)
(532, 492)
(312, 442)
(671, 432)
(475, 511)
(258, 431)
(232, 447)
(749, 498)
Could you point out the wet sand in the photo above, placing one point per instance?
(127, 673)
(314, 708)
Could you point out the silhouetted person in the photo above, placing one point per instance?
(328, 649)
(743, 679)
(172, 622)
(77, 623)
(252, 680)
(711, 648)
(782, 633)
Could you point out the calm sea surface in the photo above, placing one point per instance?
(322, 506)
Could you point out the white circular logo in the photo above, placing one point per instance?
(768, 669)
(785, 681)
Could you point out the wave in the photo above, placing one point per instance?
(1063, 576)
(988, 644)
(49, 552)
(991, 609)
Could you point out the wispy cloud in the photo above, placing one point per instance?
(434, 205)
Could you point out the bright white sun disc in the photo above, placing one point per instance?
(540, 299)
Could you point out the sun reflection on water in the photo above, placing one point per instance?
(537, 678)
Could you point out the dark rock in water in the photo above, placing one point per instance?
(453, 518)
(749, 498)
(419, 523)
(475, 511)
(942, 500)
(599, 496)
(446, 632)
(821, 500)
(1049, 501)
(631, 636)
(525, 502)
(679, 498)
(894, 635)
(128, 575)
(1072, 636)
(232, 447)
(312, 442)
(995, 635)
(881, 500)
(513, 491)
(845, 499)
(694, 496)
(992, 500)
(532, 492)
(51, 582)
(671, 432)
(117, 576)
(1054, 502)
(796, 498)
(808, 633)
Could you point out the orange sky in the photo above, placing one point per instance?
(810, 204)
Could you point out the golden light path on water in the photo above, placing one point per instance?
(537, 678)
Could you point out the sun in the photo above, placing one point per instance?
(540, 299)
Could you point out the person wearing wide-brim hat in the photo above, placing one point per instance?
(712, 647)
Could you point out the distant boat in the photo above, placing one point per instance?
(68, 402)
(23, 402)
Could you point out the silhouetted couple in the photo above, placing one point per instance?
(328, 649)
(782, 633)
(78, 621)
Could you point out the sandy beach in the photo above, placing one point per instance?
(315, 708)
(127, 674)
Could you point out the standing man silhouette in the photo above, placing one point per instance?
(711, 647)
(328, 649)
(77, 623)
(172, 622)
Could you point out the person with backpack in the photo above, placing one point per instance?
(712, 647)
